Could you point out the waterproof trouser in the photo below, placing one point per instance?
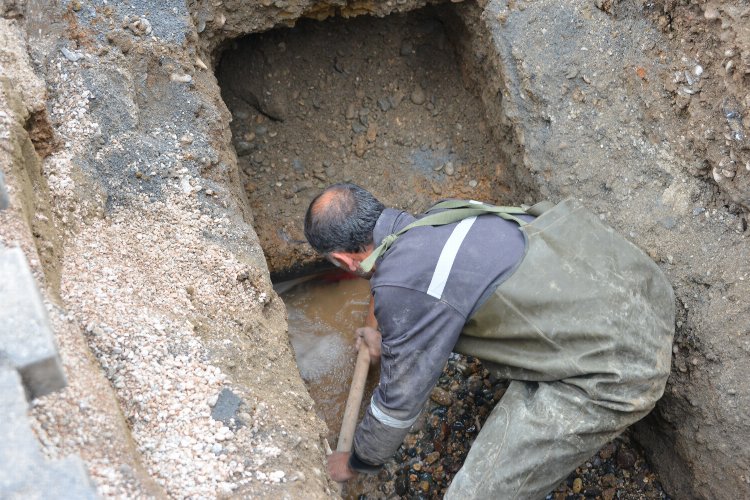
(584, 329)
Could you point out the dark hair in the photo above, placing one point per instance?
(341, 219)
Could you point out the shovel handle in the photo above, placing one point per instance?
(354, 401)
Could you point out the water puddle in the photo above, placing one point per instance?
(324, 312)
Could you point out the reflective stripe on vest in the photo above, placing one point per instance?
(447, 256)
(385, 419)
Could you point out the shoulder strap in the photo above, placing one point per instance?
(455, 210)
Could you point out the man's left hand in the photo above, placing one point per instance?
(338, 466)
(373, 340)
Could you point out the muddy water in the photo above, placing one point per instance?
(324, 313)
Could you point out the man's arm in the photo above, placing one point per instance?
(338, 462)
(370, 335)
(419, 333)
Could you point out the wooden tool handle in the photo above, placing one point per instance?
(353, 402)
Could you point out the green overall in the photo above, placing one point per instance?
(583, 328)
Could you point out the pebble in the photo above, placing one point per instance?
(351, 111)
(473, 183)
(711, 12)
(449, 169)
(625, 458)
(140, 26)
(181, 78)
(418, 96)
(244, 148)
(384, 104)
(212, 400)
(441, 397)
(200, 63)
(70, 55)
(577, 485)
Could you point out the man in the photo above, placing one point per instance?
(577, 317)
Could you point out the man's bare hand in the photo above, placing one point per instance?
(338, 466)
(371, 337)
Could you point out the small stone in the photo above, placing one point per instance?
(625, 458)
(609, 493)
(711, 12)
(276, 476)
(418, 96)
(473, 183)
(244, 148)
(181, 78)
(432, 457)
(200, 63)
(577, 485)
(351, 111)
(140, 26)
(609, 480)
(449, 169)
(384, 104)
(360, 145)
(372, 132)
(441, 397)
(607, 451)
(297, 476)
(71, 55)
(216, 448)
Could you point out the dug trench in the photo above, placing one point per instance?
(638, 108)
(394, 105)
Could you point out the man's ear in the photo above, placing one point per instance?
(347, 259)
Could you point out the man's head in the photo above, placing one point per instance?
(339, 224)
